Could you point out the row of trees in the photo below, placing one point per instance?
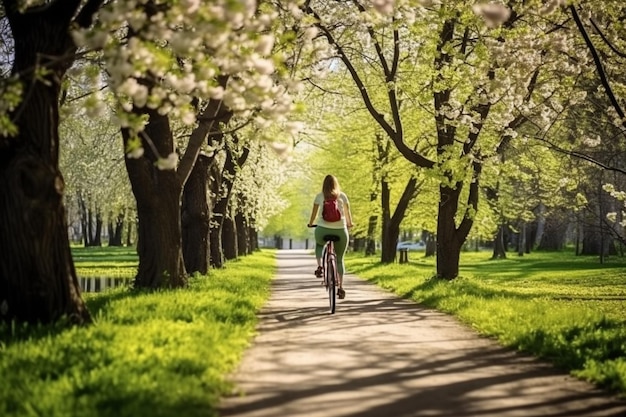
(453, 102)
(510, 105)
(188, 107)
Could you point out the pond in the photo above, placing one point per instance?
(98, 284)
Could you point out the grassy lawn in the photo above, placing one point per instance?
(566, 309)
(113, 262)
(167, 352)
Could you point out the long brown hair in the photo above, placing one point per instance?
(330, 188)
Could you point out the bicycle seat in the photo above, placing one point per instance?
(331, 237)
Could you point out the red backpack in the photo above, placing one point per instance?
(330, 211)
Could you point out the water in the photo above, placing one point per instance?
(99, 284)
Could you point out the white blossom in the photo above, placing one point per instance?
(294, 127)
(310, 33)
(187, 115)
(216, 93)
(264, 66)
(551, 6)
(428, 3)
(384, 7)
(168, 163)
(592, 142)
(135, 153)
(262, 122)
(494, 13)
(95, 107)
(265, 45)
(618, 195)
(190, 6)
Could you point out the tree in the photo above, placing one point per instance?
(461, 79)
(193, 71)
(37, 276)
(97, 191)
(223, 180)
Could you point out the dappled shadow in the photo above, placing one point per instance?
(475, 289)
(380, 355)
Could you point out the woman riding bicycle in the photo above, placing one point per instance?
(331, 197)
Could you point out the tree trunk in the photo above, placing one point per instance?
(448, 242)
(390, 231)
(431, 243)
(196, 214)
(119, 229)
(242, 227)
(110, 232)
(370, 244)
(450, 238)
(38, 282)
(158, 194)
(217, 216)
(253, 234)
(499, 249)
(554, 231)
(540, 215)
(595, 242)
(116, 229)
(378, 158)
(97, 237)
(521, 240)
(90, 235)
(129, 231)
(254, 239)
(229, 238)
(391, 224)
(243, 238)
(84, 216)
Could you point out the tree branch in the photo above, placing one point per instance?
(206, 120)
(606, 40)
(582, 156)
(598, 63)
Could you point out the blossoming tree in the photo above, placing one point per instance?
(166, 62)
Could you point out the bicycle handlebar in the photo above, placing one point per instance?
(314, 225)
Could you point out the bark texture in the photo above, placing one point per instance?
(196, 213)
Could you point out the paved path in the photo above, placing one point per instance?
(381, 356)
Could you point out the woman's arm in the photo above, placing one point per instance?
(313, 214)
(348, 215)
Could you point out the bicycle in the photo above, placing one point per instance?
(329, 269)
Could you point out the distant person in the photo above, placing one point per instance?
(334, 218)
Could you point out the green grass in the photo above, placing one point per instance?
(147, 353)
(566, 309)
(110, 262)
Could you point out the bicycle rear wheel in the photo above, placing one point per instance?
(330, 281)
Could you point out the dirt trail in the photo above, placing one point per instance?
(381, 356)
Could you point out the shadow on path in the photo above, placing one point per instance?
(383, 356)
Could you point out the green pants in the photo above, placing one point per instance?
(340, 246)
